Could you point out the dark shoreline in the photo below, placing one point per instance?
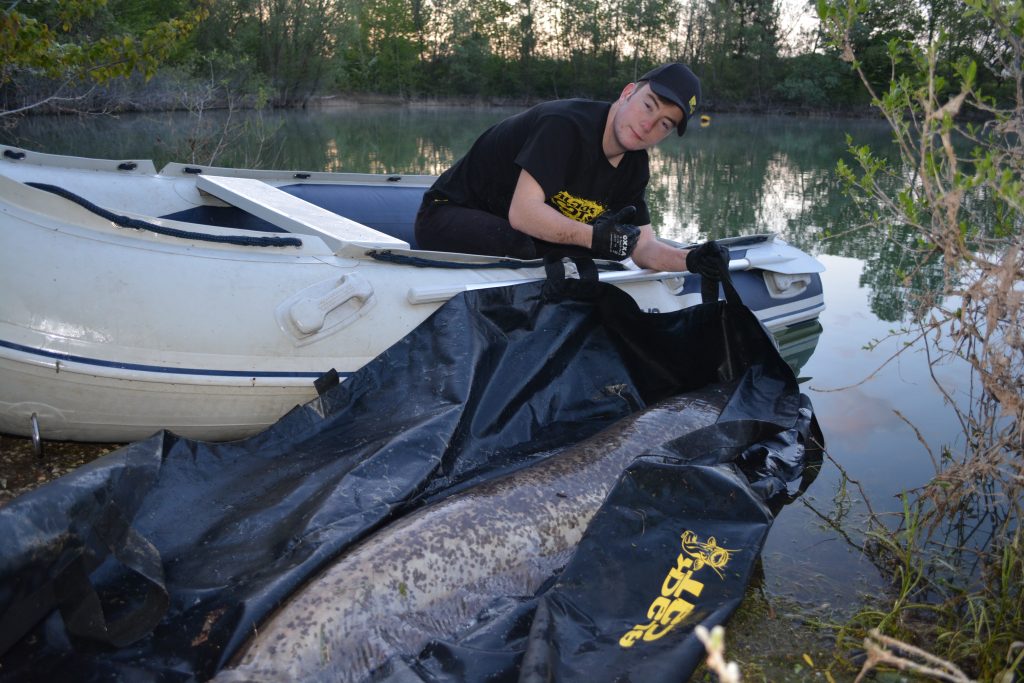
(128, 101)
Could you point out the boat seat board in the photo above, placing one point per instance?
(294, 214)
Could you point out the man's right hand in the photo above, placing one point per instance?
(710, 260)
(614, 237)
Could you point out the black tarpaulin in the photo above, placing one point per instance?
(158, 561)
(673, 546)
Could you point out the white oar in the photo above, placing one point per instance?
(772, 254)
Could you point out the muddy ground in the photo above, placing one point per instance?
(21, 469)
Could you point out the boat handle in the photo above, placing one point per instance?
(309, 313)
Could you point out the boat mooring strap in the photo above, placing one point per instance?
(138, 224)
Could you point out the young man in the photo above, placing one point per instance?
(568, 176)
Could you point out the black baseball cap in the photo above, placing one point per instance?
(677, 84)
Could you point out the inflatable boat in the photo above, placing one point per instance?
(208, 300)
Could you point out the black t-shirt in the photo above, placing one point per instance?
(559, 144)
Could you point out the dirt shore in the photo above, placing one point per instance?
(22, 470)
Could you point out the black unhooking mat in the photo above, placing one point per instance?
(157, 561)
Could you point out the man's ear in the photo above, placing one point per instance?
(628, 91)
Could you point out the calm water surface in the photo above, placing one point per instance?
(739, 175)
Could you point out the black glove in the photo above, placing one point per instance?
(710, 260)
(614, 238)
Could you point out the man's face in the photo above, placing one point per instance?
(643, 119)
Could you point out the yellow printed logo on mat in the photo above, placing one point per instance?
(671, 607)
(577, 208)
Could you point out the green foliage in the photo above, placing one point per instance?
(495, 49)
(81, 41)
(388, 50)
(525, 50)
(818, 81)
(470, 68)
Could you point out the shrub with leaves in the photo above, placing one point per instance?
(953, 202)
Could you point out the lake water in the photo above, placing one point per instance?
(739, 175)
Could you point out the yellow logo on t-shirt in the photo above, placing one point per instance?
(577, 208)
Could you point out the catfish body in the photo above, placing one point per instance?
(430, 573)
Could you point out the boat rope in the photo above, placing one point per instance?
(421, 262)
(138, 224)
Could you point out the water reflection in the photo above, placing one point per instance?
(746, 174)
(383, 140)
(797, 344)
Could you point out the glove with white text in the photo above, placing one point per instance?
(614, 237)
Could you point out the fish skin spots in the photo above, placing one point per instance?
(432, 571)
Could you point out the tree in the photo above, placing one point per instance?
(817, 80)
(295, 46)
(877, 25)
(737, 43)
(649, 21)
(527, 40)
(66, 44)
